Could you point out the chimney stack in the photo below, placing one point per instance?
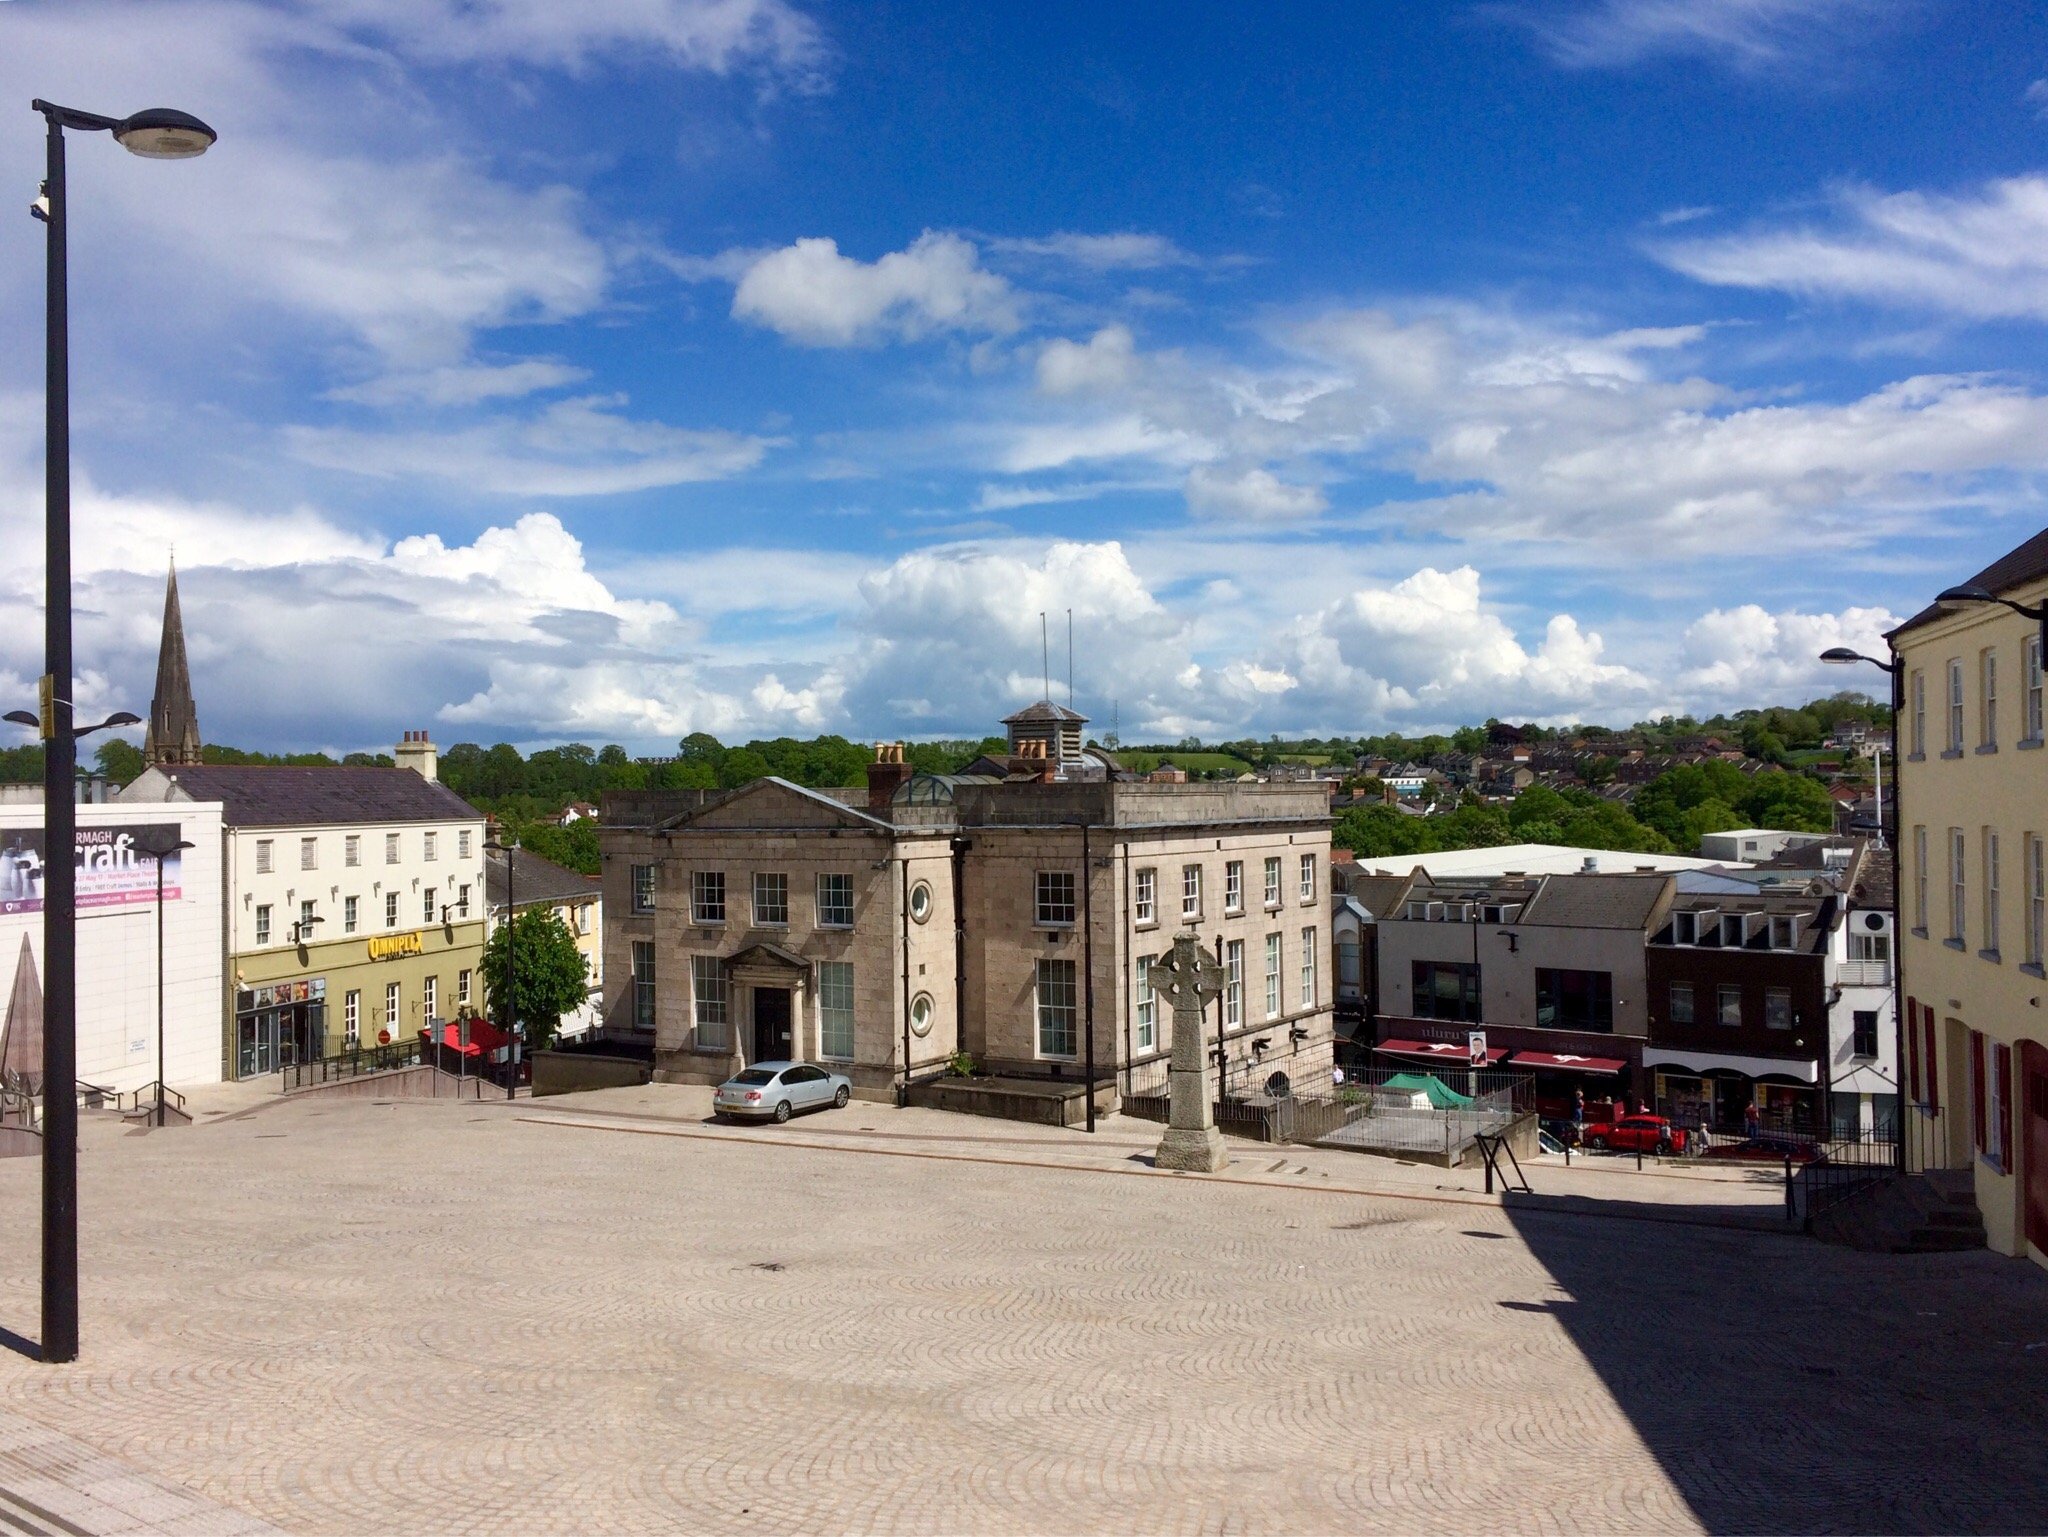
(417, 753)
(886, 775)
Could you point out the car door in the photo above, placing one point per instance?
(805, 1082)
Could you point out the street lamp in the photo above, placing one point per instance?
(157, 134)
(1844, 656)
(491, 846)
(159, 855)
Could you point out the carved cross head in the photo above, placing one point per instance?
(1189, 978)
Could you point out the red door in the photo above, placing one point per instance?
(2034, 1078)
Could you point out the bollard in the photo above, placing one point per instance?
(1789, 1208)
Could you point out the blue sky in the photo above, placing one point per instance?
(530, 372)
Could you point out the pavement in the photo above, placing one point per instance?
(602, 1313)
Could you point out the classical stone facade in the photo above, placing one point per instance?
(888, 931)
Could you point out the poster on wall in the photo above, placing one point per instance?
(113, 870)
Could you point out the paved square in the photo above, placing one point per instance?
(597, 1314)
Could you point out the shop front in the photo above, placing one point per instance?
(1716, 1089)
(280, 1023)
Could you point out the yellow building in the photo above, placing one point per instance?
(1973, 891)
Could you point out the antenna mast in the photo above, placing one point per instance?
(1045, 654)
(1070, 659)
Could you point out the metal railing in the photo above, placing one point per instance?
(353, 1063)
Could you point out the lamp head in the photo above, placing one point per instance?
(164, 133)
(1839, 654)
(122, 718)
(1956, 597)
(22, 718)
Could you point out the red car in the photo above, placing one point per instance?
(1637, 1134)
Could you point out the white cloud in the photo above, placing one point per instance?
(811, 294)
(1052, 445)
(1982, 255)
(1749, 653)
(1253, 494)
(2036, 95)
(1127, 252)
(1105, 361)
(464, 384)
(1746, 34)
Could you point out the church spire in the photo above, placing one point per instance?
(173, 734)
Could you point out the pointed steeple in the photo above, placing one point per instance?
(21, 1034)
(173, 733)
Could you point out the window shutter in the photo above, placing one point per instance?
(1933, 1062)
(1913, 1048)
(1977, 1117)
(2003, 1089)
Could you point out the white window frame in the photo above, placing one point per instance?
(766, 886)
(352, 1018)
(1992, 874)
(462, 988)
(1272, 880)
(832, 912)
(427, 895)
(1146, 1004)
(349, 914)
(1054, 899)
(1920, 878)
(707, 892)
(2030, 666)
(1273, 960)
(1233, 984)
(309, 853)
(352, 851)
(835, 1010)
(429, 847)
(1233, 886)
(1308, 968)
(1190, 892)
(1145, 900)
(1308, 878)
(2037, 899)
(306, 916)
(1987, 702)
(1057, 1009)
(430, 997)
(391, 848)
(390, 909)
(1958, 885)
(262, 923)
(641, 896)
(710, 1002)
(1955, 704)
(266, 856)
(462, 843)
(1918, 745)
(394, 1007)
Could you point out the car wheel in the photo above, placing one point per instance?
(782, 1111)
(1597, 1144)
(839, 1100)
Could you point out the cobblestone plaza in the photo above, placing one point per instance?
(599, 1314)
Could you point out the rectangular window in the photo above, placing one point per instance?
(2031, 666)
(462, 900)
(352, 850)
(430, 998)
(305, 921)
(835, 1010)
(709, 994)
(1233, 886)
(352, 1018)
(835, 901)
(348, 915)
(2037, 898)
(1308, 877)
(462, 844)
(771, 897)
(462, 988)
(643, 888)
(1191, 891)
(394, 1005)
(1991, 885)
(707, 894)
(1273, 881)
(1958, 895)
(1057, 1015)
(1055, 898)
(1728, 1005)
(391, 848)
(1146, 897)
(263, 856)
(1308, 968)
(309, 853)
(1955, 704)
(1681, 1003)
(1446, 990)
(1863, 1032)
(262, 923)
(1272, 976)
(428, 847)
(1575, 1000)
(1233, 985)
(1999, 1132)
(1920, 879)
(390, 909)
(1987, 704)
(1777, 1008)
(427, 905)
(1870, 947)
(1918, 744)
(643, 984)
(1147, 1005)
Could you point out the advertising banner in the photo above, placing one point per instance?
(112, 870)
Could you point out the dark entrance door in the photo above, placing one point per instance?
(771, 1024)
(2034, 1079)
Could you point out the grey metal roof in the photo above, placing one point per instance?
(2023, 563)
(265, 796)
(533, 880)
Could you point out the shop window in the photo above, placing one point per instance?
(1575, 1000)
(1446, 990)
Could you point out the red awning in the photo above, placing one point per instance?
(1440, 1051)
(1569, 1063)
(484, 1037)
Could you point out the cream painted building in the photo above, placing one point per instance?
(354, 902)
(1973, 894)
(1009, 917)
(521, 879)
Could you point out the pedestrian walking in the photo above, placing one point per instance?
(1752, 1123)
(1578, 1116)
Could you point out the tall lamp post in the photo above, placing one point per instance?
(511, 951)
(159, 855)
(157, 134)
(1843, 656)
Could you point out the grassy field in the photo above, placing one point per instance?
(1193, 762)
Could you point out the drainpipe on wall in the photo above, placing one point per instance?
(960, 846)
(903, 922)
(1088, 968)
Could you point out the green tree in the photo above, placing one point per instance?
(120, 761)
(1538, 803)
(1381, 832)
(533, 963)
(1793, 802)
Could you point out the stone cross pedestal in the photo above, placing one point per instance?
(1187, 982)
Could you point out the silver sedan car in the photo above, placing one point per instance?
(778, 1090)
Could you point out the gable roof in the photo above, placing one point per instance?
(253, 795)
(2023, 563)
(716, 812)
(1596, 901)
(1045, 710)
(532, 879)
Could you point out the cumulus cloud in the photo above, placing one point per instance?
(811, 294)
(1253, 494)
(1105, 361)
(1981, 254)
(1748, 652)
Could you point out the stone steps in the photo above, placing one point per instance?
(1932, 1213)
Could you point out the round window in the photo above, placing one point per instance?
(921, 901)
(921, 1015)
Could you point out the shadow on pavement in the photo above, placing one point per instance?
(1789, 1386)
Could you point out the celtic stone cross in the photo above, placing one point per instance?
(1186, 983)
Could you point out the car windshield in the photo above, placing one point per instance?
(754, 1075)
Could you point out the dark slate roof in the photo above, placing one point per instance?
(1594, 901)
(1380, 895)
(2024, 563)
(1876, 883)
(263, 796)
(535, 880)
(1045, 710)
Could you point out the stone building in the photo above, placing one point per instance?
(1010, 919)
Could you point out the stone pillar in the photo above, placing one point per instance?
(1187, 983)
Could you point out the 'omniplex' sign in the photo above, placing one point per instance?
(388, 947)
(114, 868)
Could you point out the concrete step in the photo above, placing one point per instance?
(1911, 1215)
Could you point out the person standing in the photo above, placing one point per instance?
(1752, 1123)
(1578, 1116)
